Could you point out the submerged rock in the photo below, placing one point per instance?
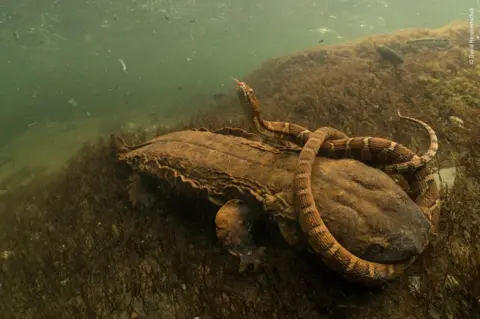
(447, 176)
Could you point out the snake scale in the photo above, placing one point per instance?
(394, 159)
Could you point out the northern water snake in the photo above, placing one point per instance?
(394, 157)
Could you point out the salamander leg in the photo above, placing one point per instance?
(137, 192)
(233, 223)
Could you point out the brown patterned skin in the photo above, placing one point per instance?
(413, 167)
(370, 150)
(246, 178)
(320, 238)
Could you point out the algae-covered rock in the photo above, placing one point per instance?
(351, 87)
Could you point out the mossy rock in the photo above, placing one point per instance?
(354, 90)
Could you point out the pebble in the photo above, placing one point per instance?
(447, 175)
(456, 121)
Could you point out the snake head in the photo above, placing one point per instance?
(248, 99)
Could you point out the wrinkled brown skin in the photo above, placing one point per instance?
(324, 243)
(365, 149)
(364, 209)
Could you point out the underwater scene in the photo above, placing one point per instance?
(239, 159)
